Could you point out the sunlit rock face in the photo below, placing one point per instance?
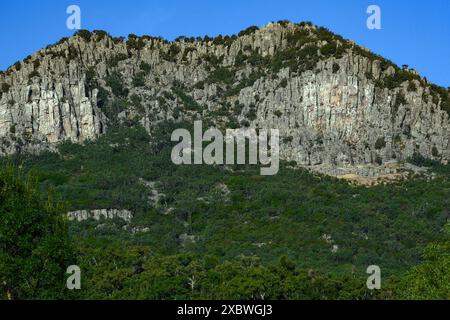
(333, 102)
(99, 214)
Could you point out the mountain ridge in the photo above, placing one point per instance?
(335, 103)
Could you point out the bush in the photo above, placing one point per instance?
(378, 160)
(329, 49)
(118, 40)
(73, 53)
(380, 143)
(336, 67)
(419, 160)
(135, 42)
(298, 37)
(101, 34)
(18, 66)
(33, 74)
(84, 34)
(412, 86)
(395, 80)
(399, 101)
(114, 61)
(36, 63)
(284, 23)
(62, 40)
(145, 67)
(115, 82)
(435, 152)
(102, 97)
(200, 85)
(221, 74)
(248, 31)
(188, 102)
(137, 102)
(139, 79)
(442, 95)
(218, 40)
(90, 77)
(5, 87)
(172, 53)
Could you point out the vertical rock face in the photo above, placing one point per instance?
(335, 103)
(343, 118)
(47, 102)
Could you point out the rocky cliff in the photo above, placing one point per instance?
(335, 103)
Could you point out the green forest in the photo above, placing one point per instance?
(213, 232)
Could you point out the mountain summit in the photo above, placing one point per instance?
(335, 103)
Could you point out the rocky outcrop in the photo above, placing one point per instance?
(336, 104)
(343, 118)
(98, 214)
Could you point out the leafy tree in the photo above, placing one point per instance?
(380, 143)
(134, 42)
(430, 279)
(419, 160)
(35, 249)
(284, 83)
(328, 49)
(264, 217)
(172, 53)
(336, 67)
(17, 65)
(248, 31)
(84, 34)
(101, 34)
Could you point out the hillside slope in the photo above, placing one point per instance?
(227, 211)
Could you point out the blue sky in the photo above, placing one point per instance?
(416, 33)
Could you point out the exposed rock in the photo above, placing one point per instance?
(187, 239)
(154, 196)
(224, 191)
(82, 215)
(332, 114)
(335, 248)
(136, 230)
(327, 238)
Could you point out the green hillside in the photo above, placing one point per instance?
(239, 234)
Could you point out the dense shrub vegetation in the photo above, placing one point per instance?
(248, 31)
(84, 34)
(187, 101)
(135, 42)
(260, 220)
(35, 248)
(4, 88)
(115, 82)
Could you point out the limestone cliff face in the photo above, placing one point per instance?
(335, 103)
(343, 118)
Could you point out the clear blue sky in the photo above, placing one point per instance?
(416, 33)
